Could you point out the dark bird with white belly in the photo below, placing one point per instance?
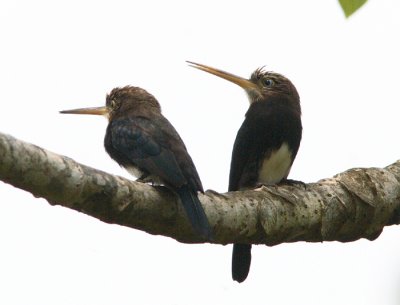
(266, 143)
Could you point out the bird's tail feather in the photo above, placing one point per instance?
(195, 212)
(241, 259)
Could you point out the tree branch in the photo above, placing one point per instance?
(352, 205)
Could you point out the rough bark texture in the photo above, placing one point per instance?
(352, 205)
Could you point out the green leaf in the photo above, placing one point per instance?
(350, 6)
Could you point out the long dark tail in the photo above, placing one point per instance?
(241, 259)
(195, 212)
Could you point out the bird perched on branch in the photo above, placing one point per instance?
(266, 143)
(144, 142)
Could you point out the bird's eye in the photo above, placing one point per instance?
(268, 82)
(113, 104)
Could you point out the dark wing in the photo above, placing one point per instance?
(155, 148)
(241, 157)
(141, 142)
(182, 156)
(253, 139)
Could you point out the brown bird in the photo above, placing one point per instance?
(266, 143)
(142, 140)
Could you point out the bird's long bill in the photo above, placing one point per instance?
(93, 110)
(242, 82)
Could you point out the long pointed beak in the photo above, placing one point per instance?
(93, 110)
(240, 81)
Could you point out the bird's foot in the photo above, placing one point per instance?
(145, 178)
(292, 182)
(259, 186)
(215, 193)
(140, 180)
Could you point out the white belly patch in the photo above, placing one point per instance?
(276, 167)
(134, 171)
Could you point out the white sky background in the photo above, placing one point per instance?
(57, 56)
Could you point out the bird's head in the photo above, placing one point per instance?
(261, 86)
(121, 101)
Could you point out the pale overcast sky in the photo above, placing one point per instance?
(59, 55)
